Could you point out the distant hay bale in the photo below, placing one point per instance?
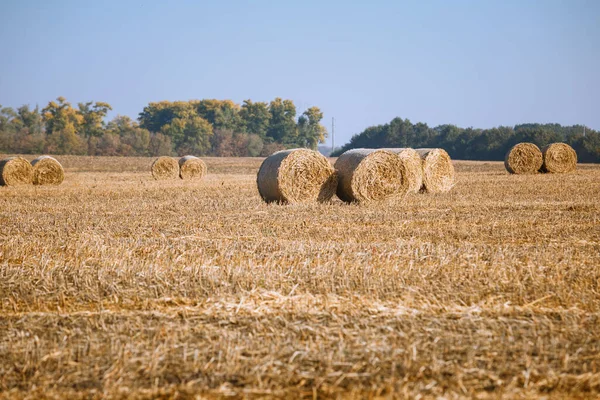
(367, 175)
(165, 168)
(523, 158)
(47, 171)
(414, 167)
(559, 158)
(438, 171)
(191, 167)
(15, 171)
(296, 176)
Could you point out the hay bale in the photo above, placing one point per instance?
(165, 168)
(15, 171)
(296, 176)
(191, 167)
(559, 158)
(414, 167)
(523, 158)
(438, 171)
(367, 175)
(47, 171)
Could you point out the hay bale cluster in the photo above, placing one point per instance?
(44, 170)
(527, 158)
(296, 176)
(187, 168)
(359, 175)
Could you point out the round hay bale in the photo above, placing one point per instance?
(523, 158)
(165, 168)
(47, 171)
(296, 176)
(438, 171)
(15, 171)
(367, 175)
(191, 167)
(559, 158)
(414, 167)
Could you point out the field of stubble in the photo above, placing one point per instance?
(114, 285)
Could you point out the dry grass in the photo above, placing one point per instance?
(119, 286)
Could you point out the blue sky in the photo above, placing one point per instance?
(470, 63)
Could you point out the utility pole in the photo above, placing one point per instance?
(332, 134)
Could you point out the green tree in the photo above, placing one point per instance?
(189, 135)
(62, 122)
(255, 117)
(310, 131)
(282, 126)
(92, 118)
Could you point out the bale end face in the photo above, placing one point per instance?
(438, 171)
(165, 168)
(191, 167)
(296, 176)
(370, 175)
(523, 158)
(47, 171)
(15, 171)
(559, 158)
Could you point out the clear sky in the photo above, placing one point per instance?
(470, 63)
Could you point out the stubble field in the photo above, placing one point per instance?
(115, 285)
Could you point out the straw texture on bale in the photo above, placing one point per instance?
(367, 175)
(559, 158)
(438, 171)
(414, 167)
(165, 168)
(191, 167)
(296, 176)
(47, 171)
(523, 158)
(15, 171)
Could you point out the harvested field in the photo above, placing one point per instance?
(116, 285)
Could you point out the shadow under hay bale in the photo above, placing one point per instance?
(559, 158)
(523, 158)
(15, 171)
(438, 171)
(296, 176)
(367, 175)
(165, 168)
(191, 167)
(414, 167)
(47, 171)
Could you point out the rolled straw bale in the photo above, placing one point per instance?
(296, 176)
(367, 175)
(559, 158)
(438, 171)
(47, 171)
(15, 171)
(523, 158)
(414, 167)
(165, 168)
(191, 167)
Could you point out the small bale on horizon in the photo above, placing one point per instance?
(523, 158)
(296, 176)
(414, 167)
(438, 171)
(15, 171)
(191, 167)
(559, 158)
(367, 175)
(165, 168)
(47, 171)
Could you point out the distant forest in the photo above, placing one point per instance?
(199, 127)
(476, 144)
(226, 129)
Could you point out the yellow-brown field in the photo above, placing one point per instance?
(115, 285)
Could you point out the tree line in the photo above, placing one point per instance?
(476, 144)
(201, 127)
